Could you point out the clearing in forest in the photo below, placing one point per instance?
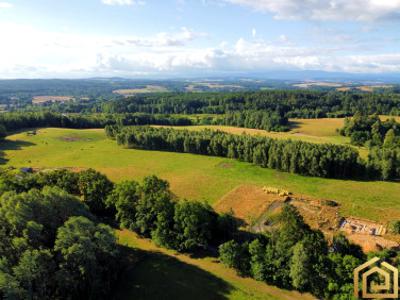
(45, 99)
(141, 90)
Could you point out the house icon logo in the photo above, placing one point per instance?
(378, 281)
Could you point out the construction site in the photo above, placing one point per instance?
(257, 207)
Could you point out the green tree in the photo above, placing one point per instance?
(155, 199)
(308, 268)
(3, 131)
(236, 256)
(34, 273)
(257, 252)
(124, 199)
(94, 187)
(63, 179)
(88, 255)
(193, 223)
(391, 140)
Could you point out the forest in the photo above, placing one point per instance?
(382, 139)
(21, 120)
(288, 103)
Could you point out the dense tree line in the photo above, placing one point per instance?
(51, 244)
(322, 160)
(269, 121)
(289, 103)
(381, 137)
(16, 121)
(151, 210)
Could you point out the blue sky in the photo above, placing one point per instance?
(144, 38)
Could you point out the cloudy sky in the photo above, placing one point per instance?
(142, 38)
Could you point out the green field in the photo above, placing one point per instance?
(191, 176)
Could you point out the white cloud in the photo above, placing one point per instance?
(360, 10)
(5, 5)
(283, 38)
(122, 2)
(64, 54)
(253, 32)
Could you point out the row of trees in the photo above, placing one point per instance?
(322, 160)
(151, 210)
(21, 120)
(381, 137)
(269, 121)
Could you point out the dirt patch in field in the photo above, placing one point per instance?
(248, 202)
(72, 169)
(225, 165)
(254, 205)
(370, 243)
(257, 207)
(74, 139)
(318, 214)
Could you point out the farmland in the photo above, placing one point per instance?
(141, 90)
(44, 99)
(214, 177)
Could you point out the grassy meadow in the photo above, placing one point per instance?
(191, 176)
(309, 130)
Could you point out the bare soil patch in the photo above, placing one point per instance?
(248, 202)
(370, 243)
(74, 139)
(257, 207)
(225, 165)
(317, 214)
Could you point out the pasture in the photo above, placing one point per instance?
(194, 177)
